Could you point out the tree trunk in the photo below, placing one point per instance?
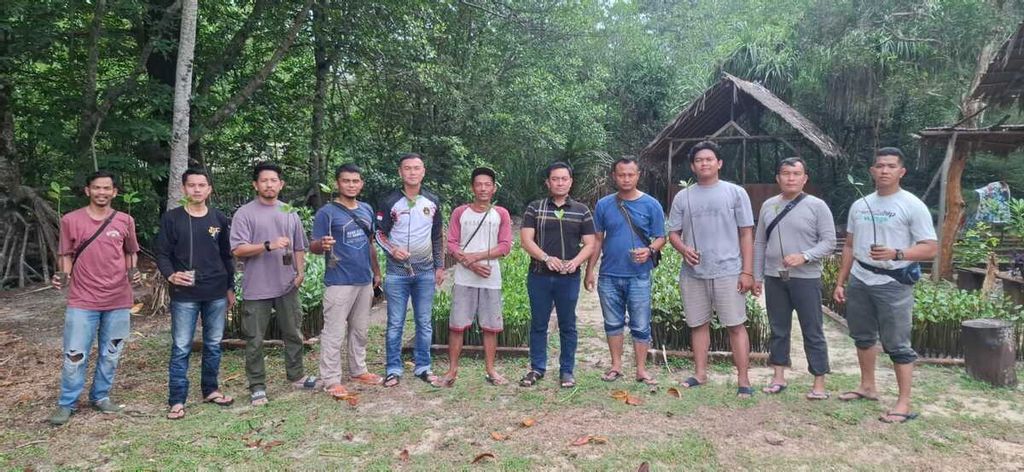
(89, 122)
(182, 92)
(322, 66)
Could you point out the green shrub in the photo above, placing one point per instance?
(939, 310)
(975, 245)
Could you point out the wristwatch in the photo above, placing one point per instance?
(266, 245)
(545, 259)
(899, 255)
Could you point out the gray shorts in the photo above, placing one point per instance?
(702, 297)
(881, 312)
(483, 304)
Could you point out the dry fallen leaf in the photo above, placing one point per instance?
(620, 395)
(644, 467)
(137, 308)
(498, 436)
(527, 422)
(353, 400)
(349, 436)
(675, 392)
(582, 440)
(599, 439)
(634, 401)
(404, 455)
(232, 377)
(270, 445)
(481, 457)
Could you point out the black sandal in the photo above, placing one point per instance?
(530, 379)
(567, 381)
(427, 376)
(392, 380)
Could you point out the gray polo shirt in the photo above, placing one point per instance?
(806, 229)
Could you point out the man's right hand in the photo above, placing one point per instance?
(55, 281)
(690, 255)
(327, 243)
(400, 254)
(590, 281)
(554, 264)
(280, 243)
(483, 270)
(839, 294)
(180, 278)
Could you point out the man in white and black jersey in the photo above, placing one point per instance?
(410, 230)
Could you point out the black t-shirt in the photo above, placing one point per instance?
(559, 230)
(210, 253)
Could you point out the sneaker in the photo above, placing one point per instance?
(107, 406)
(61, 416)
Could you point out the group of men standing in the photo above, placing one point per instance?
(710, 223)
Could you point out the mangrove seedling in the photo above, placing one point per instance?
(874, 229)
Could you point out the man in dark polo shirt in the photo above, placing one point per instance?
(558, 233)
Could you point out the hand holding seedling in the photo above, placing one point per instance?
(882, 253)
(327, 243)
(400, 254)
(280, 243)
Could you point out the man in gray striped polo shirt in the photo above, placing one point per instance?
(794, 233)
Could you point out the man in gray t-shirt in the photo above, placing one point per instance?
(271, 244)
(794, 233)
(712, 226)
(887, 232)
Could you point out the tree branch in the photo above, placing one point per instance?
(232, 52)
(228, 109)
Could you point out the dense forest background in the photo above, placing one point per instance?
(515, 84)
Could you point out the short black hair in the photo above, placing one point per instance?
(482, 171)
(555, 166)
(100, 174)
(195, 171)
(890, 151)
(624, 160)
(350, 168)
(263, 166)
(709, 145)
(790, 162)
(409, 155)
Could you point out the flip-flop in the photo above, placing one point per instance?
(812, 395)
(748, 391)
(905, 417)
(775, 389)
(497, 381)
(531, 378)
(856, 396)
(445, 382)
(392, 380)
(648, 381)
(258, 398)
(427, 376)
(176, 412)
(219, 399)
(692, 382)
(611, 375)
(309, 382)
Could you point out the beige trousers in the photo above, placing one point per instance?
(346, 318)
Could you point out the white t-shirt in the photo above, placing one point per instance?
(494, 234)
(901, 219)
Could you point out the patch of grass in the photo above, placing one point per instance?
(690, 451)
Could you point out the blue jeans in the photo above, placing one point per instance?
(562, 292)
(183, 326)
(80, 327)
(621, 295)
(398, 289)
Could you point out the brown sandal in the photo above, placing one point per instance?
(219, 399)
(176, 412)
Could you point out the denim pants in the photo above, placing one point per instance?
(561, 291)
(803, 295)
(80, 327)
(399, 289)
(183, 326)
(621, 295)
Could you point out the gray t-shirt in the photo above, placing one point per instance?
(265, 275)
(807, 229)
(718, 211)
(902, 220)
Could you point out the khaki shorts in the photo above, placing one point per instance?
(468, 303)
(702, 297)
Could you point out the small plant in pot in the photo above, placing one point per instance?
(874, 229)
(56, 192)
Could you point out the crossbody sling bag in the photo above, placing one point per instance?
(478, 226)
(87, 242)
(787, 209)
(655, 254)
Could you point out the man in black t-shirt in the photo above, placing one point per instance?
(558, 233)
(194, 255)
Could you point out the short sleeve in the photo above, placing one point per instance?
(530, 216)
(657, 222)
(743, 212)
(241, 230)
(131, 241)
(675, 212)
(587, 225)
(921, 227)
(321, 227)
(599, 217)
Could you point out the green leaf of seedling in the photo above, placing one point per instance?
(55, 187)
(559, 214)
(325, 188)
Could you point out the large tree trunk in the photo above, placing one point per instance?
(322, 66)
(182, 92)
(89, 122)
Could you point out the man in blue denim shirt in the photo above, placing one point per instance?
(194, 255)
(626, 265)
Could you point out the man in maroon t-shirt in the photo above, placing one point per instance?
(98, 254)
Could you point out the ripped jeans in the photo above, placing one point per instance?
(80, 327)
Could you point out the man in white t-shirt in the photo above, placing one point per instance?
(887, 232)
(478, 235)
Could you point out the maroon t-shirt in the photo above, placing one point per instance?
(99, 278)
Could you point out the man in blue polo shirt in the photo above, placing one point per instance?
(630, 228)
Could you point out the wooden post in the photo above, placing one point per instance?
(668, 188)
(989, 351)
(954, 209)
(943, 175)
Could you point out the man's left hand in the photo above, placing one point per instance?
(298, 280)
(641, 255)
(794, 260)
(746, 283)
(439, 276)
(232, 299)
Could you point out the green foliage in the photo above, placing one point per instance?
(130, 198)
(939, 302)
(974, 247)
(1017, 217)
(56, 193)
(311, 294)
